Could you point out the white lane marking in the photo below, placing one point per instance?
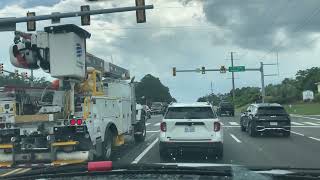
(23, 171)
(156, 124)
(311, 123)
(147, 124)
(235, 138)
(10, 172)
(295, 115)
(153, 131)
(297, 133)
(234, 123)
(317, 139)
(318, 126)
(295, 123)
(144, 152)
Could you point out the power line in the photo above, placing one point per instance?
(193, 27)
(275, 17)
(296, 30)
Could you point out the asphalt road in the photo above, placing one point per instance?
(300, 150)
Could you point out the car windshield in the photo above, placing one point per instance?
(190, 113)
(271, 110)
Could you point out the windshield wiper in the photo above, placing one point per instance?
(82, 170)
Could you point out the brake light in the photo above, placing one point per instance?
(216, 126)
(79, 122)
(163, 127)
(72, 122)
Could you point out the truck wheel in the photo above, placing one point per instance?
(141, 127)
(243, 129)
(108, 145)
(251, 130)
(286, 134)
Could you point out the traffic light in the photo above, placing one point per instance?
(174, 71)
(141, 14)
(24, 75)
(31, 25)
(16, 73)
(85, 20)
(1, 69)
(203, 70)
(223, 69)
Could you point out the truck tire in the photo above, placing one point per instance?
(108, 145)
(243, 129)
(141, 127)
(286, 134)
(251, 130)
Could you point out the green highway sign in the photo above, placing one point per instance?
(237, 69)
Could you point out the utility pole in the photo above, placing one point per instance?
(233, 93)
(263, 93)
(211, 88)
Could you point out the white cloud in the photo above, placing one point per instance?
(172, 37)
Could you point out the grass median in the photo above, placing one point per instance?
(303, 108)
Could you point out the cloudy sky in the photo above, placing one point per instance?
(188, 34)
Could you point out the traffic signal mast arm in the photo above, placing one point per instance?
(5, 21)
(197, 70)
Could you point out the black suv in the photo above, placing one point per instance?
(265, 117)
(225, 108)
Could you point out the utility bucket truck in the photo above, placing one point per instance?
(85, 116)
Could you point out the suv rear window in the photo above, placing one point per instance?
(271, 110)
(190, 113)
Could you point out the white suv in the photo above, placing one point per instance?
(190, 127)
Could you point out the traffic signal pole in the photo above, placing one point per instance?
(5, 21)
(260, 69)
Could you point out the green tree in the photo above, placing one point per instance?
(212, 98)
(11, 80)
(150, 89)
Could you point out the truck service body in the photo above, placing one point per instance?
(86, 118)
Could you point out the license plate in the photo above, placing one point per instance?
(189, 129)
(273, 123)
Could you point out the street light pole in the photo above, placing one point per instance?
(233, 93)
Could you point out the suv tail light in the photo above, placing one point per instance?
(163, 127)
(216, 126)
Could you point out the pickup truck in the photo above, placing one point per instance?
(226, 108)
